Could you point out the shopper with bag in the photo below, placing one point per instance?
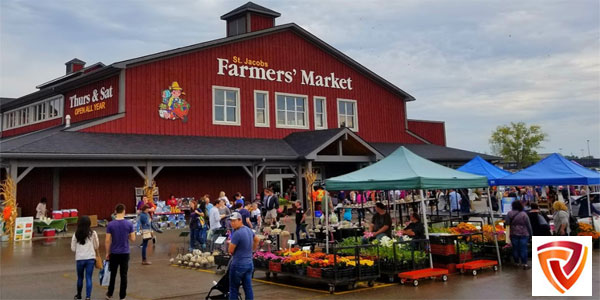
(119, 233)
(85, 243)
(561, 219)
(520, 232)
(146, 232)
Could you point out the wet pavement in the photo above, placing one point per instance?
(45, 269)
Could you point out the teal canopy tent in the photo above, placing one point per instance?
(405, 170)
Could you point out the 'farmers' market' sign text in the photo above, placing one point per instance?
(258, 69)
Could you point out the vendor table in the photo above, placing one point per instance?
(71, 220)
(60, 225)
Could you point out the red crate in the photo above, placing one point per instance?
(465, 256)
(443, 249)
(49, 232)
(274, 266)
(313, 272)
(57, 214)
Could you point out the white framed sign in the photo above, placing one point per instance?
(23, 229)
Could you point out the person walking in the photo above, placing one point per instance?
(119, 233)
(520, 232)
(194, 224)
(300, 218)
(243, 243)
(272, 204)
(203, 218)
(215, 217)
(84, 243)
(255, 216)
(561, 219)
(146, 232)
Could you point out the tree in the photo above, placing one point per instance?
(517, 142)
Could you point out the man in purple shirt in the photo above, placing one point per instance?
(119, 233)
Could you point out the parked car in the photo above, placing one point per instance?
(578, 199)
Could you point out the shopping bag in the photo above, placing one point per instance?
(146, 234)
(104, 274)
(98, 261)
(596, 223)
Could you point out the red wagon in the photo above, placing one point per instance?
(415, 275)
(479, 264)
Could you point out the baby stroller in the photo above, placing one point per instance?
(221, 286)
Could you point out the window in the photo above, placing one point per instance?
(226, 105)
(261, 109)
(347, 114)
(291, 111)
(237, 26)
(34, 113)
(320, 113)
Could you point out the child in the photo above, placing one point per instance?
(255, 216)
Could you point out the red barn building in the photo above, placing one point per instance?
(232, 114)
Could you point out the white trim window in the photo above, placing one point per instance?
(261, 109)
(347, 114)
(226, 105)
(320, 106)
(292, 111)
(45, 110)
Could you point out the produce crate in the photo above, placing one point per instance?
(346, 273)
(443, 249)
(328, 273)
(274, 266)
(366, 271)
(297, 269)
(342, 273)
(261, 264)
(465, 256)
(314, 272)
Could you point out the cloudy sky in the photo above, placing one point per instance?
(473, 64)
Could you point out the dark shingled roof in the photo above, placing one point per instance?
(305, 142)
(434, 152)
(76, 61)
(58, 142)
(250, 7)
(4, 100)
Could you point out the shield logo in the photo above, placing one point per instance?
(573, 257)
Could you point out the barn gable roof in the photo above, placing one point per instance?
(246, 36)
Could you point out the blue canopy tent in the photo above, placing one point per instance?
(480, 166)
(553, 170)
